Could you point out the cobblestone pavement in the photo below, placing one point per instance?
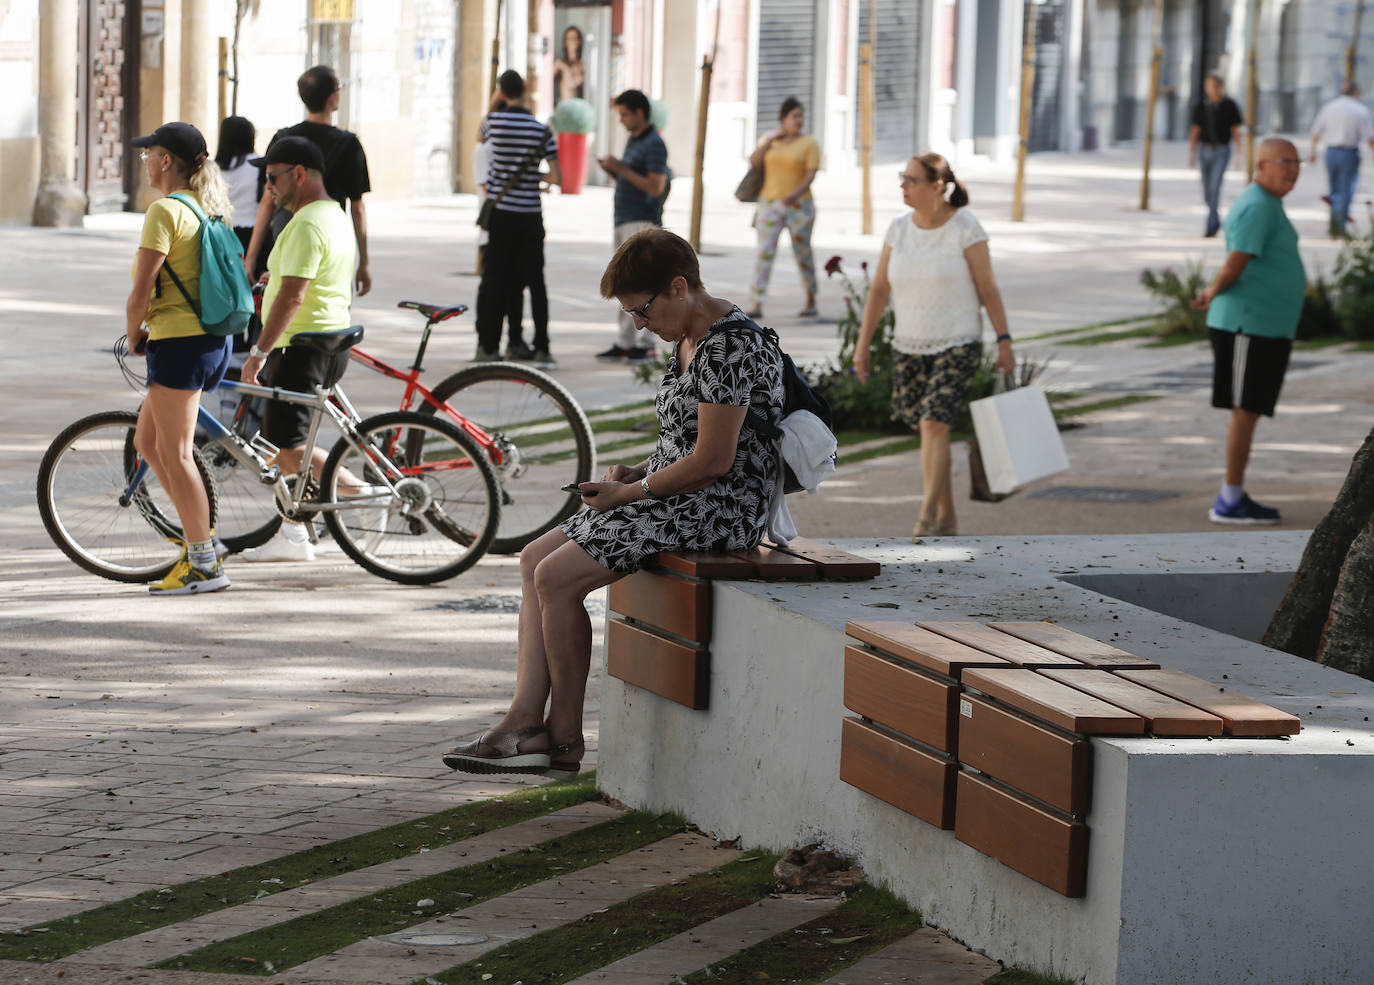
(146, 742)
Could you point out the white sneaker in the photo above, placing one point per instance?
(281, 549)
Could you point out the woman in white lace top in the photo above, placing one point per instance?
(936, 271)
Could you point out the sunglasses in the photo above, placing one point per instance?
(642, 312)
(272, 176)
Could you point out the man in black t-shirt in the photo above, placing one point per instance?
(345, 172)
(1215, 126)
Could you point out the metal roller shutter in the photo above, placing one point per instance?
(897, 73)
(787, 45)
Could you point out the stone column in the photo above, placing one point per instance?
(60, 202)
(199, 68)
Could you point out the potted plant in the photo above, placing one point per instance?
(573, 119)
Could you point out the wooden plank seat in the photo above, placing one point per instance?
(907, 777)
(1054, 703)
(1164, 716)
(1241, 715)
(659, 634)
(1093, 652)
(929, 651)
(1039, 844)
(1009, 648)
(1044, 763)
(920, 706)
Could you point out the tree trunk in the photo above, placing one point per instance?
(1348, 643)
(1302, 616)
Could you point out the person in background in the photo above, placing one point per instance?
(183, 360)
(789, 160)
(641, 177)
(345, 170)
(235, 157)
(706, 487)
(1215, 127)
(481, 162)
(1342, 124)
(936, 270)
(1252, 308)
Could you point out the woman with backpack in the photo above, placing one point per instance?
(706, 487)
(183, 359)
(936, 269)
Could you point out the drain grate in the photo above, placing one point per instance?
(1104, 494)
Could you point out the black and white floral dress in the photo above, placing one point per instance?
(734, 364)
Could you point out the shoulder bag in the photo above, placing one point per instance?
(489, 206)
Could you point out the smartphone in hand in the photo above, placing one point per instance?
(572, 487)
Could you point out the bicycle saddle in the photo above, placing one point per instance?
(329, 342)
(434, 312)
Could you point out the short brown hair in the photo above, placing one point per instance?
(648, 261)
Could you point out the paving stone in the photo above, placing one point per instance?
(926, 957)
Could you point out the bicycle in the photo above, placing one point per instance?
(530, 428)
(409, 497)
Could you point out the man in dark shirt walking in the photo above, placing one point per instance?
(514, 257)
(1216, 126)
(641, 185)
(345, 171)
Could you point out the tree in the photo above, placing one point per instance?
(1327, 615)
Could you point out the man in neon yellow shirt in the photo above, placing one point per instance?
(309, 289)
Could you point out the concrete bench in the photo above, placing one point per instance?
(659, 636)
(984, 729)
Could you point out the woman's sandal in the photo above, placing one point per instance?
(810, 312)
(499, 752)
(926, 529)
(561, 766)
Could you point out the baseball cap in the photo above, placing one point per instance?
(182, 139)
(293, 151)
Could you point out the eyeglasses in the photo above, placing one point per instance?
(642, 312)
(1288, 162)
(143, 155)
(272, 176)
(907, 179)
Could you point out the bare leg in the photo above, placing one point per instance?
(165, 438)
(937, 482)
(1239, 436)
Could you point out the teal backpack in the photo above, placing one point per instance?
(226, 297)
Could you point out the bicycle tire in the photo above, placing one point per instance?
(521, 409)
(449, 504)
(248, 515)
(81, 481)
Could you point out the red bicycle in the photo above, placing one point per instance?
(530, 428)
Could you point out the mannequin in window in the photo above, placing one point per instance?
(569, 74)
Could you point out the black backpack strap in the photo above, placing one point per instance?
(752, 418)
(167, 266)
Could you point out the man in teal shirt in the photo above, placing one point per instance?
(1252, 316)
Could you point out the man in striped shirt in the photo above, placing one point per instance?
(514, 256)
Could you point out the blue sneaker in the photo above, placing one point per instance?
(1244, 512)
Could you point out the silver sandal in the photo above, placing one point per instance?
(562, 768)
(499, 752)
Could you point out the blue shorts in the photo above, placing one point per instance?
(196, 362)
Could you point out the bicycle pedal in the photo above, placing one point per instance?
(263, 447)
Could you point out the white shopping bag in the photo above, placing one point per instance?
(1018, 438)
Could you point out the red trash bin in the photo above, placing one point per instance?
(572, 158)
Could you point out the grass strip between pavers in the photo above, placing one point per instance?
(54, 939)
(312, 935)
(574, 949)
(1016, 976)
(870, 919)
(1111, 403)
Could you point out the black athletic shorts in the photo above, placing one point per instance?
(294, 367)
(1247, 370)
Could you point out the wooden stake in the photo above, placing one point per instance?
(1354, 43)
(1251, 91)
(1156, 58)
(866, 132)
(495, 51)
(223, 78)
(535, 54)
(703, 110)
(1018, 196)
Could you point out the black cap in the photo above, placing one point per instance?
(293, 150)
(182, 139)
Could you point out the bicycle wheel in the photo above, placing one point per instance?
(82, 485)
(443, 514)
(536, 437)
(248, 514)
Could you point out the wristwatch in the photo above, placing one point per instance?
(257, 353)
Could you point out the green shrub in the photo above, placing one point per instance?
(1174, 293)
(1354, 288)
(858, 406)
(1318, 318)
(573, 115)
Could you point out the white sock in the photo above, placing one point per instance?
(201, 554)
(1232, 494)
(294, 533)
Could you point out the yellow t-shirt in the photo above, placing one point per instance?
(173, 230)
(786, 164)
(316, 244)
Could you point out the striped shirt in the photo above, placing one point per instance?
(511, 134)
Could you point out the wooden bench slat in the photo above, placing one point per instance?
(1045, 764)
(1009, 648)
(1243, 716)
(1041, 846)
(1163, 715)
(704, 564)
(921, 647)
(1076, 645)
(908, 778)
(834, 563)
(1058, 704)
(675, 605)
(769, 562)
(904, 700)
(667, 668)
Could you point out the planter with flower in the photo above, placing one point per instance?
(573, 119)
(855, 405)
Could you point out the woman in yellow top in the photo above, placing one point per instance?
(183, 359)
(789, 160)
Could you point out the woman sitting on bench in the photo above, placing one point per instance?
(705, 488)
